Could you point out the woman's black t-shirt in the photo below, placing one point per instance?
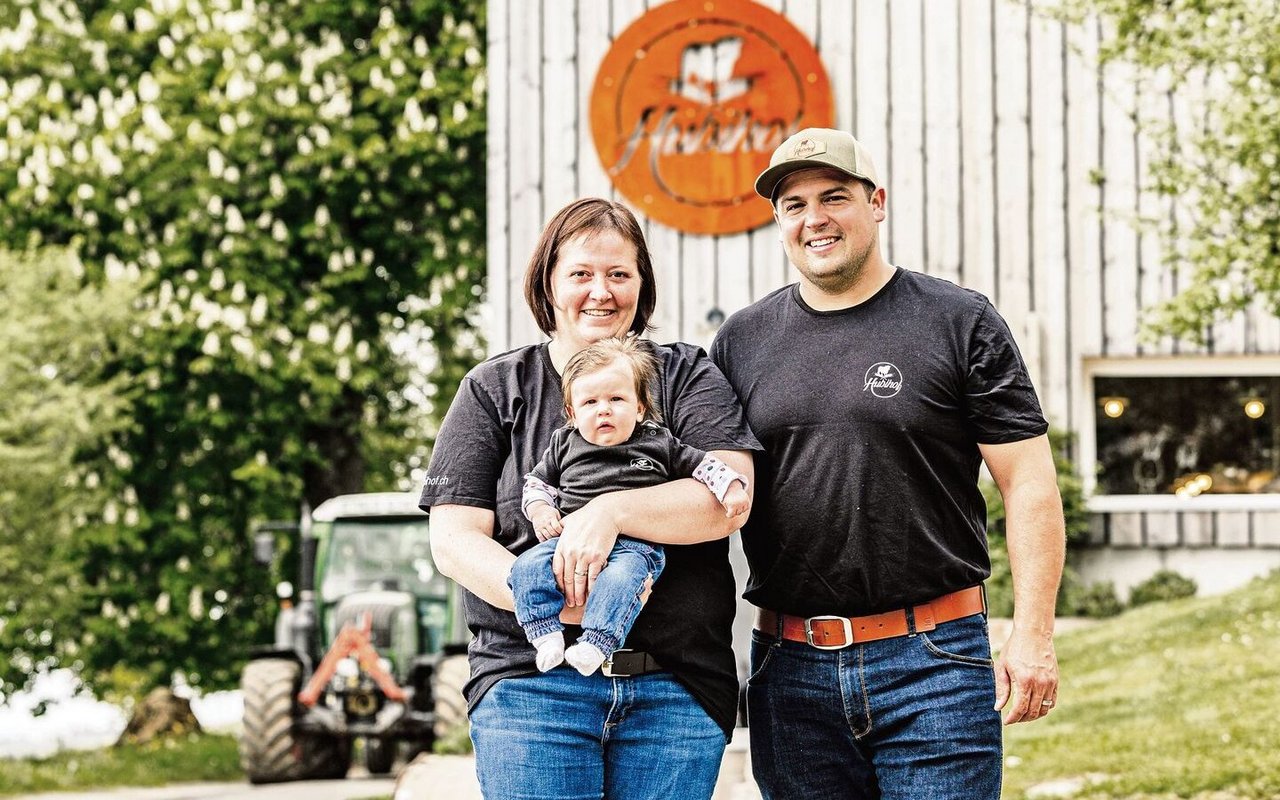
(496, 431)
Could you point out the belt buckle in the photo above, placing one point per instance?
(606, 668)
(844, 621)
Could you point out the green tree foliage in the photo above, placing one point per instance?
(298, 185)
(1219, 167)
(58, 403)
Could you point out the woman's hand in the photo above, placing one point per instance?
(586, 538)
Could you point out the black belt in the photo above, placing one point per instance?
(629, 663)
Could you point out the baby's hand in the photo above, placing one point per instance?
(546, 521)
(736, 500)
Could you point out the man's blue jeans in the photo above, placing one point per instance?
(899, 719)
(567, 736)
(614, 602)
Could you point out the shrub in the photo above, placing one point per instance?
(1163, 585)
(1097, 601)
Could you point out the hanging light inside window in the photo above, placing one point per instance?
(1114, 407)
(1254, 408)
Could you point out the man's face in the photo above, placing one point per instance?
(828, 226)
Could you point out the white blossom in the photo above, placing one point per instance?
(322, 216)
(234, 318)
(235, 222)
(279, 232)
(317, 332)
(212, 344)
(258, 311)
(287, 96)
(216, 162)
(155, 123)
(342, 339)
(148, 88)
(143, 20)
(239, 87)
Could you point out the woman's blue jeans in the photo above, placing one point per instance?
(567, 736)
(898, 719)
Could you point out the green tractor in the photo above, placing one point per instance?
(372, 651)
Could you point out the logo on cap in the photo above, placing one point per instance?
(691, 101)
(807, 147)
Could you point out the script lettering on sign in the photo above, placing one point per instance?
(690, 102)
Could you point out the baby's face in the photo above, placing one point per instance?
(605, 408)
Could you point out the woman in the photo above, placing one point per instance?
(660, 731)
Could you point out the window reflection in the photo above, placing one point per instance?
(1188, 436)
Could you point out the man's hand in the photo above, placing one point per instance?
(545, 519)
(586, 537)
(1028, 669)
(736, 500)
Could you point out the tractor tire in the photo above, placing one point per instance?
(379, 755)
(270, 750)
(451, 675)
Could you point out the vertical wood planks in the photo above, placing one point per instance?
(943, 190)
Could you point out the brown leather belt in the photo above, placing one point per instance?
(832, 633)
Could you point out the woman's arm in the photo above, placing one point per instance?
(464, 549)
(677, 512)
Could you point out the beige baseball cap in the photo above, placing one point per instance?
(816, 147)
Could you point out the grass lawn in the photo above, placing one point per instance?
(193, 758)
(1169, 700)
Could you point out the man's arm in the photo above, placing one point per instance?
(1035, 534)
(677, 512)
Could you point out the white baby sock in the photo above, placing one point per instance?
(586, 658)
(550, 650)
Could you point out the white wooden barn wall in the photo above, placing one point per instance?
(990, 126)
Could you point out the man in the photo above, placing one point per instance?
(877, 392)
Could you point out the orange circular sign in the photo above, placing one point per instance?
(691, 101)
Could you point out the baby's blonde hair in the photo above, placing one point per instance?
(644, 368)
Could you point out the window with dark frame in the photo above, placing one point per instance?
(1188, 436)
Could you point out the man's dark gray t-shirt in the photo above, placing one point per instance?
(867, 492)
(497, 428)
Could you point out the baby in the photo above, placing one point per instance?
(613, 441)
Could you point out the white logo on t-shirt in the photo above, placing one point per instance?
(883, 380)
(642, 463)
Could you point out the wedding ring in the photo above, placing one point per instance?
(579, 574)
(1047, 703)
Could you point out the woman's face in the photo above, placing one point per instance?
(594, 286)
